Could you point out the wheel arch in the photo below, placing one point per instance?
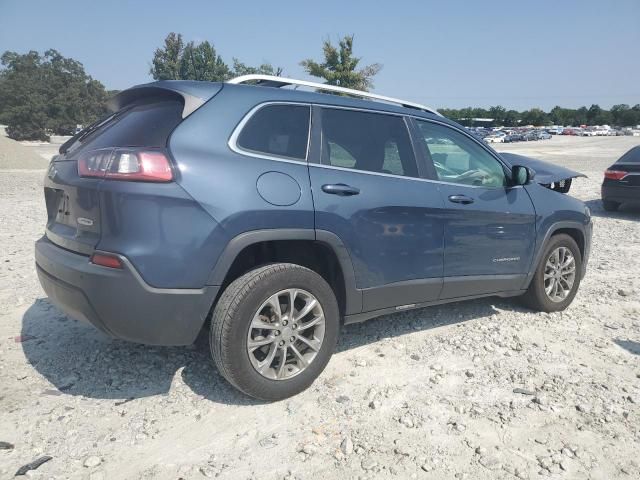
(575, 230)
(318, 250)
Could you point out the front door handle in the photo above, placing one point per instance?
(340, 189)
(463, 199)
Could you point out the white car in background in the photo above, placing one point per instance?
(603, 131)
(495, 138)
(587, 133)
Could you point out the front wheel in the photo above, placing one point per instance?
(274, 330)
(557, 277)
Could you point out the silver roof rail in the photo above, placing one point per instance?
(273, 81)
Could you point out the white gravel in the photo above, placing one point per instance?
(477, 390)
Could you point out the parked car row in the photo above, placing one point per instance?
(593, 131)
(527, 134)
(510, 135)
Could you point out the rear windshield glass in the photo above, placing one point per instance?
(632, 156)
(146, 123)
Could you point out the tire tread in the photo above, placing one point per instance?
(224, 316)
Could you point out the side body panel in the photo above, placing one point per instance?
(555, 211)
(233, 188)
(498, 225)
(167, 236)
(392, 228)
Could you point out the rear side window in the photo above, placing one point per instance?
(146, 123)
(632, 156)
(278, 130)
(371, 142)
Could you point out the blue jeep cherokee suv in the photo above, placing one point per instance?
(274, 214)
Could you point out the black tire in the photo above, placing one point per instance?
(232, 317)
(609, 205)
(535, 297)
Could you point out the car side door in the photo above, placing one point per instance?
(489, 225)
(367, 191)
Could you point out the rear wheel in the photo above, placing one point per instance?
(556, 280)
(274, 330)
(610, 206)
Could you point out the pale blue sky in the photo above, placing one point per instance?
(450, 53)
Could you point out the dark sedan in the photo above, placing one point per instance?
(622, 181)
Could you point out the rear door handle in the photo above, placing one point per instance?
(340, 189)
(463, 199)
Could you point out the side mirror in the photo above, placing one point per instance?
(522, 175)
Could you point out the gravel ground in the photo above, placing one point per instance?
(479, 390)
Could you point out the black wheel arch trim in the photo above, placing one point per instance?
(562, 225)
(353, 296)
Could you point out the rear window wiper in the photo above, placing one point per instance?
(81, 135)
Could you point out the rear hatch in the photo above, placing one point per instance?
(144, 117)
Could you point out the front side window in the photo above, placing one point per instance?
(366, 141)
(458, 159)
(279, 130)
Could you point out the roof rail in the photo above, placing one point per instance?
(273, 81)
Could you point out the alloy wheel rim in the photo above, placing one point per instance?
(559, 274)
(286, 334)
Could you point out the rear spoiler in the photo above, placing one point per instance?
(194, 94)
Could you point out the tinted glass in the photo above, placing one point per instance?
(458, 159)
(143, 124)
(280, 130)
(632, 156)
(367, 141)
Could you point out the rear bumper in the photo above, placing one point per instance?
(621, 193)
(119, 302)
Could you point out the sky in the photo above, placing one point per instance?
(450, 53)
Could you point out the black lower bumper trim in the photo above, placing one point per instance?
(117, 302)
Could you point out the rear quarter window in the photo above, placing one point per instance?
(277, 130)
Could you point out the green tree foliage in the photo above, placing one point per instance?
(198, 61)
(511, 118)
(535, 117)
(498, 113)
(43, 94)
(240, 68)
(201, 62)
(166, 61)
(340, 67)
(619, 115)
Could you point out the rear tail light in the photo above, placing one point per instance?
(106, 260)
(615, 174)
(129, 164)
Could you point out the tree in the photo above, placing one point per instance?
(340, 66)
(201, 62)
(42, 94)
(511, 118)
(580, 117)
(497, 113)
(198, 61)
(240, 68)
(535, 117)
(166, 61)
